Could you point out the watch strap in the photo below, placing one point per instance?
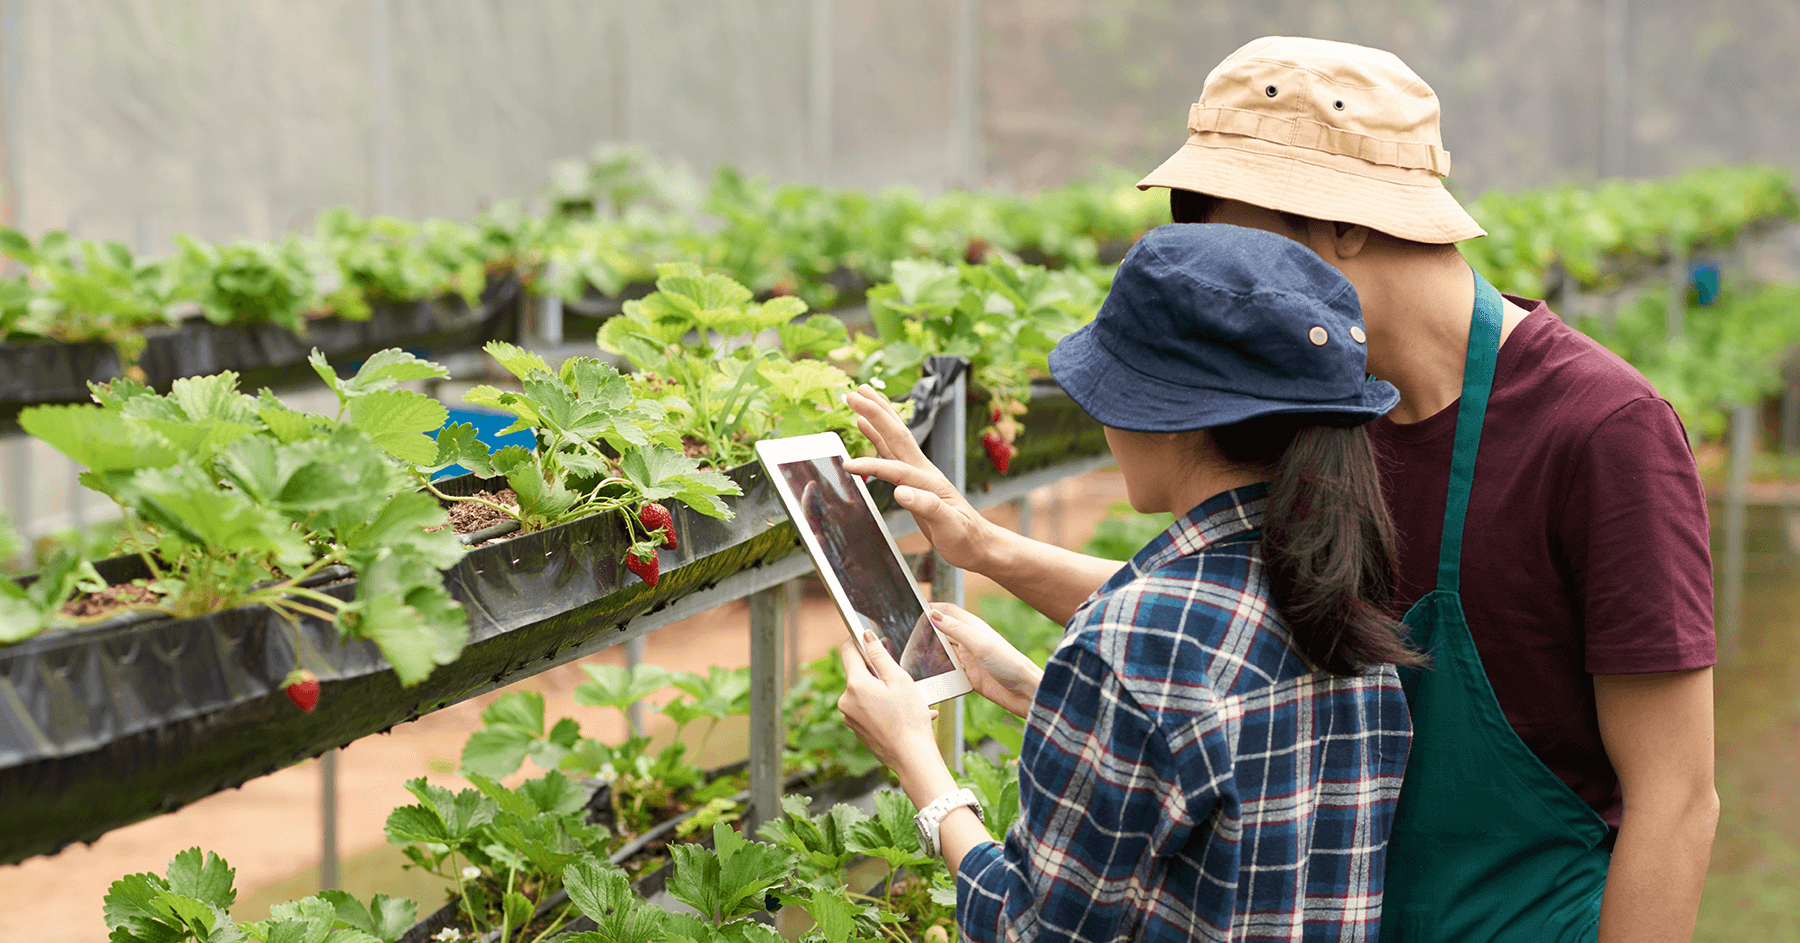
(930, 819)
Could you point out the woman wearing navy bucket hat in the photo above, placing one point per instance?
(1214, 750)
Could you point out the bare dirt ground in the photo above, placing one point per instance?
(269, 829)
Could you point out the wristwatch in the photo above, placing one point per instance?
(931, 818)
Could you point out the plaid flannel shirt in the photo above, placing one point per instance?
(1185, 776)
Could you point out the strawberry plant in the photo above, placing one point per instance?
(643, 786)
(27, 610)
(191, 901)
(598, 450)
(248, 282)
(694, 342)
(1004, 318)
(83, 290)
(232, 500)
(501, 852)
(383, 259)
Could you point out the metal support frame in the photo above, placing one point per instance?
(767, 734)
(965, 92)
(1731, 607)
(819, 49)
(328, 828)
(1790, 450)
(1678, 287)
(947, 447)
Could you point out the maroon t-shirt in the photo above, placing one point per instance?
(1585, 550)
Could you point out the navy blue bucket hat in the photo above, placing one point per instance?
(1209, 325)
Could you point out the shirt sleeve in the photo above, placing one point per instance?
(1635, 530)
(1101, 800)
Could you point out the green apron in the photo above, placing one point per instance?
(1488, 845)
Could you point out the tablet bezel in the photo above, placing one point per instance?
(774, 452)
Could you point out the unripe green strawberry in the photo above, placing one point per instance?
(655, 518)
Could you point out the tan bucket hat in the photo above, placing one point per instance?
(1323, 129)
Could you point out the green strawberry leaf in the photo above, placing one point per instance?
(97, 438)
(619, 687)
(397, 420)
(206, 879)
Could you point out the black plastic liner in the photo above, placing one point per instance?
(104, 726)
(40, 372)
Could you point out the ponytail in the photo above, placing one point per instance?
(1327, 540)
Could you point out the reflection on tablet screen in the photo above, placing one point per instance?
(880, 591)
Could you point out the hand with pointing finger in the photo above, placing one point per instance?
(956, 530)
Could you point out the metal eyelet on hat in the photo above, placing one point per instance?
(1357, 335)
(1339, 105)
(1318, 336)
(1270, 91)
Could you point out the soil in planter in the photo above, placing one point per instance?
(467, 517)
(90, 606)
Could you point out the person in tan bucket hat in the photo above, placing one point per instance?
(1553, 560)
(1553, 530)
(1321, 129)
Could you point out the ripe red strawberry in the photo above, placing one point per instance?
(994, 415)
(644, 568)
(1000, 451)
(655, 518)
(302, 687)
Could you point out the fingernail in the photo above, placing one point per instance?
(868, 637)
(935, 618)
(903, 494)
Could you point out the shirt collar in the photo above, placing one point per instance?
(1225, 515)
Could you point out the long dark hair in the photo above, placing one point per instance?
(1327, 540)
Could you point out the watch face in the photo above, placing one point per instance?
(925, 842)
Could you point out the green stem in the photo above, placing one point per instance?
(462, 895)
(509, 512)
(562, 917)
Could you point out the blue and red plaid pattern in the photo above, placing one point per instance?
(1185, 776)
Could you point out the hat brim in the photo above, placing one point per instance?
(1119, 395)
(1316, 184)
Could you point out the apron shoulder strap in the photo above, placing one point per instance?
(1478, 381)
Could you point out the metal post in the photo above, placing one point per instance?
(1790, 449)
(1615, 118)
(621, 73)
(818, 91)
(328, 850)
(766, 734)
(947, 447)
(18, 480)
(1731, 607)
(381, 94)
(965, 92)
(793, 596)
(1677, 298)
(634, 656)
(550, 320)
(12, 69)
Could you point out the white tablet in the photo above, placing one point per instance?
(857, 558)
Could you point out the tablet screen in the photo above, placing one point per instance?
(881, 593)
